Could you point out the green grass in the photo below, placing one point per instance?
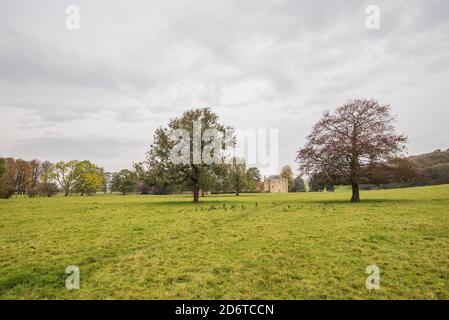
(259, 246)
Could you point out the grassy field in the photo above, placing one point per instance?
(260, 246)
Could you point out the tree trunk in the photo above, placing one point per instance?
(355, 192)
(202, 193)
(66, 193)
(196, 192)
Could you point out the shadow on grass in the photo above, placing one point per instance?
(201, 203)
(236, 202)
(228, 199)
(232, 200)
(33, 278)
(362, 202)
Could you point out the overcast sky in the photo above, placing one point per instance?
(99, 92)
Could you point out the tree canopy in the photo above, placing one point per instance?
(347, 144)
(182, 151)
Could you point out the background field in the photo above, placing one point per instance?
(260, 246)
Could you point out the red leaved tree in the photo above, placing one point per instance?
(346, 145)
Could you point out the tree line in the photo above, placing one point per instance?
(43, 178)
(355, 145)
(426, 169)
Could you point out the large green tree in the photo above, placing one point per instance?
(181, 152)
(89, 177)
(125, 181)
(66, 175)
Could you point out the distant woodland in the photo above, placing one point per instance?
(431, 168)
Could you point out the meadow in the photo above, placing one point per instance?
(255, 246)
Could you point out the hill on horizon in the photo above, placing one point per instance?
(431, 159)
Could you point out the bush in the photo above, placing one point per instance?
(298, 185)
(47, 189)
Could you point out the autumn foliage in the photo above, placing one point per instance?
(355, 144)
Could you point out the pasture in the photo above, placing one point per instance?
(255, 246)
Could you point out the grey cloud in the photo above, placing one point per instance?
(68, 148)
(136, 65)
